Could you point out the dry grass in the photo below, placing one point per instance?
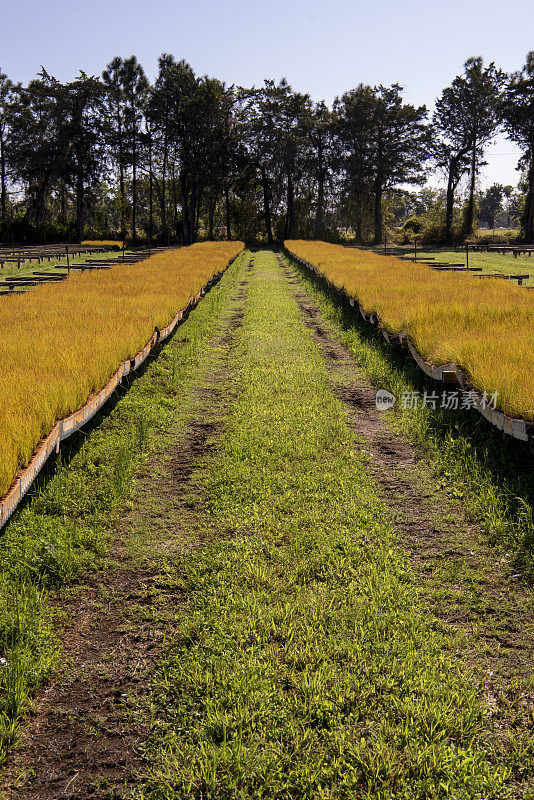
(60, 344)
(103, 242)
(484, 325)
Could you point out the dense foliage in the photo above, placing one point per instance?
(189, 157)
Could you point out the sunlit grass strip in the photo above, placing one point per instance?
(302, 667)
(486, 327)
(103, 242)
(60, 344)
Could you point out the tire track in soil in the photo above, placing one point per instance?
(495, 612)
(83, 741)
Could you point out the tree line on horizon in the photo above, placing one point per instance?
(188, 157)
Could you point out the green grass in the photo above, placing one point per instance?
(494, 263)
(302, 664)
(27, 267)
(64, 530)
(492, 474)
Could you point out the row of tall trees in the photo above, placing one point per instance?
(189, 156)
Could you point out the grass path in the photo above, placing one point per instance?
(469, 585)
(303, 664)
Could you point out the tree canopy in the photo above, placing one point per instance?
(189, 157)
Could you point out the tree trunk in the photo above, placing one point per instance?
(79, 206)
(163, 195)
(449, 207)
(266, 205)
(37, 194)
(455, 173)
(197, 215)
(227, 211)
(3, 194)
(378, 220)
(62, 206)
(529, 203)
(318, 227)
(150, 197)
(290, 207)
(211, 217)
(319, 212)
(185, 208)
(134, 180)
(161, 192)
(192, 212)
(121, 173)
(358, 227)
(469, 218)
(175, 200)
(157, 188)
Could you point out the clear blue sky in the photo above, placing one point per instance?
(323, 47)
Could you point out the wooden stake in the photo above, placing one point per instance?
(68, 263)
